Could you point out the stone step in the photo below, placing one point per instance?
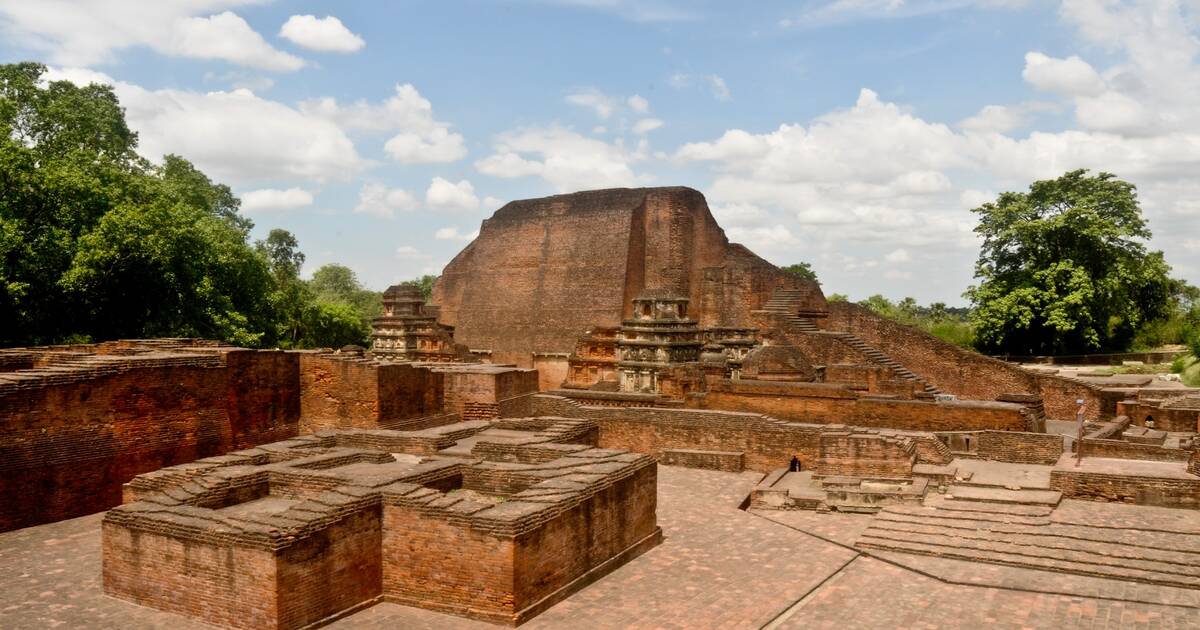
(1107, 543)
(1028, 518)
(1031, 546)
(872, 540)
(1003, 495)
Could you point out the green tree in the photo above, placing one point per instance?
(802, 270)
(337, 284)
(426, 284)
(332, 325)
(291, 296)
(96, 242)
(1064, 268)
(66, 158)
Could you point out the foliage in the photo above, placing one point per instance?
(802, 270)
(950, 324)
(97, 243)
(1191, 373)
(426, 284)
(337, 284)
(837, 297)
(1178, 364)
(1063, 268)
(333, 325)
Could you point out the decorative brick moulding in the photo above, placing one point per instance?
(490, 520)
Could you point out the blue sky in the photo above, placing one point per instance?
(853, 134)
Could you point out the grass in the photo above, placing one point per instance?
(1191, 372)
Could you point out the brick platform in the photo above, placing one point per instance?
(296, 532)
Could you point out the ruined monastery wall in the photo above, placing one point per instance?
(341, 393)
(962, 372)
(73, 435)
(766, 443)
(828, 403)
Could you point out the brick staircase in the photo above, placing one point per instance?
(783, 301)
(1027, 536)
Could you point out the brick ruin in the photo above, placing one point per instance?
(495, 521)
(496, 450)
(408, 330)
(82, 420)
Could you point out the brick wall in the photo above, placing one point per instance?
(830, 403)
(68, 446)
(1194, 463)
(476, 570)
(487, 392)
(1120, 449)
(1019, 448)
(611, 522)
(341, 393)
(865, 455)
(728, 461)
(767, 443)
(432, 563)
(226, 586)
(1158, 491)
(962, 372)
(336, 568)
(263, 396)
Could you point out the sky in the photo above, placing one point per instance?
(855, 135)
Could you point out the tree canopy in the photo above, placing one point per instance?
(98, 243)
(802, 270)
(1064, 268)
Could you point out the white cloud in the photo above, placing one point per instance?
(738, 214)
(601, 104)
(420, 139)
(720, 91)
(715, 83)
(1071, 76)
(271, 199)
(646, 125)
(875, 169)
(508, 164)
(408, 252)
(379, 200)
(326, 34)
(830, 12)
(566, 159)
(451, 233)
(641, 11)
(234, 137)
(446, 195)
(86, 33)
(898, 256)
(876, 178)
(239, 79)
(1006, 118)
(437, 146)
(638, 104)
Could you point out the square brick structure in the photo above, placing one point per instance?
(490, 520)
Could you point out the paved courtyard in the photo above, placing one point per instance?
(719, 567)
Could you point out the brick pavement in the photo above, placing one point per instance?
(719, 567)
(872, 594)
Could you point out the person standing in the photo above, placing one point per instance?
(1079, 432)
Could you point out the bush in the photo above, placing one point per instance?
(1178, 364)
